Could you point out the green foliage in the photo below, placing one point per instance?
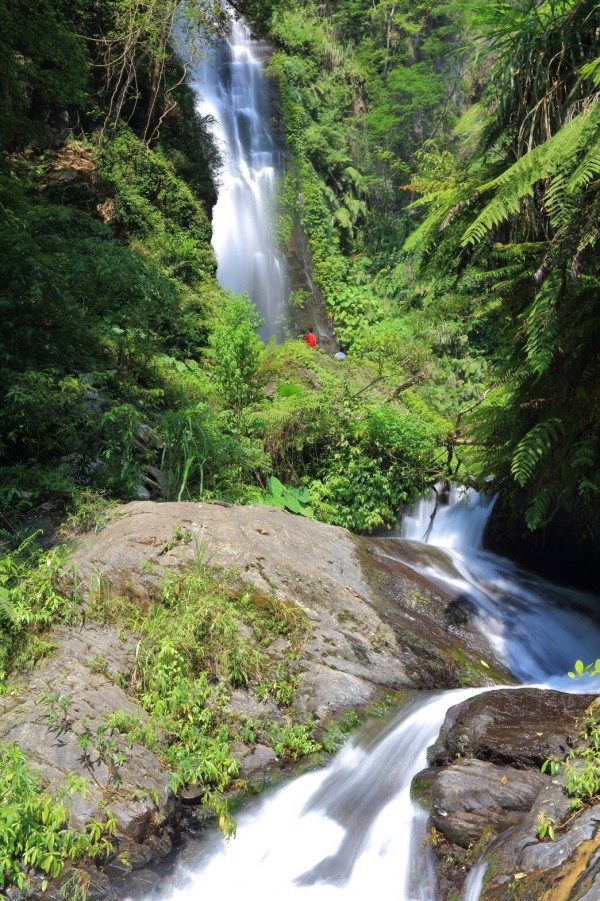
(366, 479)
(337, 733)
(34, 831)
(44, 67)
(592, 669)
(156, 207)
(545, 826)
(581, 767)
(293, 742)
(282, 687)
(357, 459)
(101, 745)
(296, 500)
(31, 601)
(236, 351)
(203, 639)
(522, 209)
(202, 457)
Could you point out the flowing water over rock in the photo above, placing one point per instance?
(234, 91)
(351, 831)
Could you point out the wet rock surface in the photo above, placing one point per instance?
(472, 797)
(520, 728)
(486, 794)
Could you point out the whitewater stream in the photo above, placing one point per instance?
(350, 831)
(233, 90)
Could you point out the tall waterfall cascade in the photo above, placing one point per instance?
(233, 91)
(351, 831)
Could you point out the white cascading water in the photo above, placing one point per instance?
(351, 831)
(474, 883)
(232, 89)
(524, 618)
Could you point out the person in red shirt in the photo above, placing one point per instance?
(311, 338)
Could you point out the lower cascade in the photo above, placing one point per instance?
(351, 830)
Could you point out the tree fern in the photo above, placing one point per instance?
(442, 203)
(518, 181)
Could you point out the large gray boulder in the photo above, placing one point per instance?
(372, 629)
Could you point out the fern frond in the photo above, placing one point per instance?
(8, 612)
(428, 230)
(532, 448)
(515, 184)
(587, 487)
(518, 181)
(542, 325)
(592, 70)
(588, 169)
(538, 513)
(583, 454)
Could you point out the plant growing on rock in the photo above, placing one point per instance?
(581, 767)
(34, 830)
(545, 826)
(31, 602)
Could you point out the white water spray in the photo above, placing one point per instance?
(233, 90)
(336, 833)
(474, 883)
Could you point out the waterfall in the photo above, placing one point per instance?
(474, 883)
(452, 519)
(537, 629)
(351, 830)
(337, 832)
(234, 92)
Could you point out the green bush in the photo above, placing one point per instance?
(236, 351)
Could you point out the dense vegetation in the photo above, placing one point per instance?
(444, 166)
(448, 164)
(448, 189)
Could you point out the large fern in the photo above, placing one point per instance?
(533, 448)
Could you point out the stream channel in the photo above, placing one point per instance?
(350, 830)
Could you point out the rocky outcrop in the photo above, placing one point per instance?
(472, 797)
(373, 628)
(485, 793)
(59, 719)
(519, 728)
